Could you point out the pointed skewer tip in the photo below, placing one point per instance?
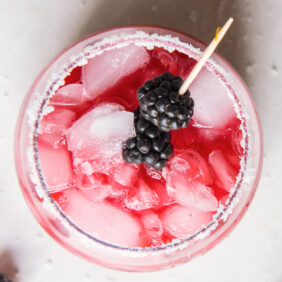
(220, 33)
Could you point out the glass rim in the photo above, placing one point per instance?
(171, 245)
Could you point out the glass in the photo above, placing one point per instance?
(52, 219)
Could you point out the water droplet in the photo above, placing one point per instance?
(274, 70)
(49, 263)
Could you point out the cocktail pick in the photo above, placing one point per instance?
(220, 33)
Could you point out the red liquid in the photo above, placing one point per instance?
(159, 213)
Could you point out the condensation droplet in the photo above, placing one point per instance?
(274, 70)
(49, 263)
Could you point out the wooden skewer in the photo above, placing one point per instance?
(220, 32)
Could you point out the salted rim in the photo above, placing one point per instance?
(148, 41)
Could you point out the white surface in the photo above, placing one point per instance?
(33, 31)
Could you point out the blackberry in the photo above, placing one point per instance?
(4, 278)
(150, 145)
(162, 105)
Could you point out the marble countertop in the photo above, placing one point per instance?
(32, 32)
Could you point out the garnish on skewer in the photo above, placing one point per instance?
(165, 105)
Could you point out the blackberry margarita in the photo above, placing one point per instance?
(72, 131)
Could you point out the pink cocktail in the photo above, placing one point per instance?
(69, 141)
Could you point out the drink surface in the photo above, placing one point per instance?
(80, 141)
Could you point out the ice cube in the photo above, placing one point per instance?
(168, 60)
(103, 221)
(101, 185)
(70, 95)
(99, 193)
(208, 133)
(105, 70)
(119, 192)
(153, 227)
(224, 173)
(213, 107)
(53, 125)
(192, 164)
(125, 174)
(86, 182)
(190, 194)
(56, 167)
(141, 197)
(180, 222)
(86, 168)
(160, 188)
(187, 179)
(98, 135)
(95, 186)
